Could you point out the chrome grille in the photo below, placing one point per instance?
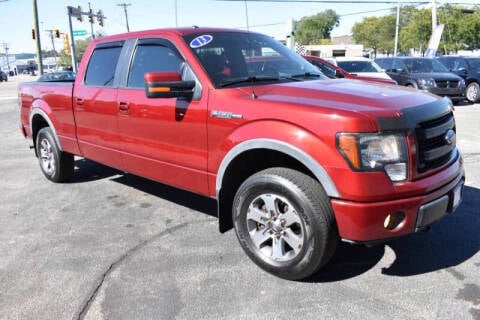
(447, 83)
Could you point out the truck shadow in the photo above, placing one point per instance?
(87, 170)
(183, 198)
(452, 241)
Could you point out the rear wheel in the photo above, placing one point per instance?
(284, 222)
(56, 165)
(473, 92)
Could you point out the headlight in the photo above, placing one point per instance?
(376, 152)
(426, 83)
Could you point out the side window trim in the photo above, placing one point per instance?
(128, 55)
(100, 46)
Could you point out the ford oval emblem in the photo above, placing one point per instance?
(449, 136)
(201, 41)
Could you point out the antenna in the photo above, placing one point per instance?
(246, 15)
(253, 95)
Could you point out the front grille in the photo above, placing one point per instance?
(447, 84)
(434, 148)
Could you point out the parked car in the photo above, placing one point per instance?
(58, 76)
(361, 66)
(469, 69)
(3, 76)
(425, 74)
(332, 71)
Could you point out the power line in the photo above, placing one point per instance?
(336, 1)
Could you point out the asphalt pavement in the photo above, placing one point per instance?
(110, 245)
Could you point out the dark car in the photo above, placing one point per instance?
(332, 71)
(3, 76)
(58, 76)
(424, 74)
(469, 69)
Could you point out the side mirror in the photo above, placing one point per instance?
(339, 74)
(167, 84)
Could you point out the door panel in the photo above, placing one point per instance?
(95, 107)
(163, 138)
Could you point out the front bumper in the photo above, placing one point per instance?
(452, 93)
(364, 222)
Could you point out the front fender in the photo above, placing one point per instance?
(296, 142)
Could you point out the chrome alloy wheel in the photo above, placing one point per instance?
(275, 228)
(47, 157)
(473, 92)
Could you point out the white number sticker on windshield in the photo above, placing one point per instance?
(201, 41)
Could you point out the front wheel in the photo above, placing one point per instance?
(284, 222)
(56, 165)
(473, 92)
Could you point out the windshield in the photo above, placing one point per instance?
(474, 64)
(424, 65)
(359, 66)
(233, 59)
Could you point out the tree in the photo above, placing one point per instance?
(461, 29)
(313, 29)
(49, 53)
(376, 33)
(65, 59)
(417, 32)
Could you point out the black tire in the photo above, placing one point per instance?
(290, 217)
(472, 92)
(56, 165)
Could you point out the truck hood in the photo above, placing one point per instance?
(345, 95)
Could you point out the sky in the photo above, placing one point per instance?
(269, 17)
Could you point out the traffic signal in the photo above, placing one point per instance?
(100, 17)
(91, 18)
(79, 16)
(66, 43)
(33, 34)
(57, 33)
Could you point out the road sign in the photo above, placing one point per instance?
(79, 32)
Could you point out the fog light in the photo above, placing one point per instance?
(393, 220)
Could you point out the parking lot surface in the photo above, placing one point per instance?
(110, 245)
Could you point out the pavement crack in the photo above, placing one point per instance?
(88, 302)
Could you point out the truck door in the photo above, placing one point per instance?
(164, 139)
(95, 106)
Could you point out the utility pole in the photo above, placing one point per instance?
(125, 5)
(176, 14)
(434, 15)
(53, 43)
(397, 26)
(91, 20)
(39, 45)
(5, 47)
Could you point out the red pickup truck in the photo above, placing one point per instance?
(295, 161)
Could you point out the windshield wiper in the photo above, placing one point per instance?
(305, 75)
(249, 79)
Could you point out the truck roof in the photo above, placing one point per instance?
(165, 31)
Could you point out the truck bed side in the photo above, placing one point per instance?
(48, 103)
